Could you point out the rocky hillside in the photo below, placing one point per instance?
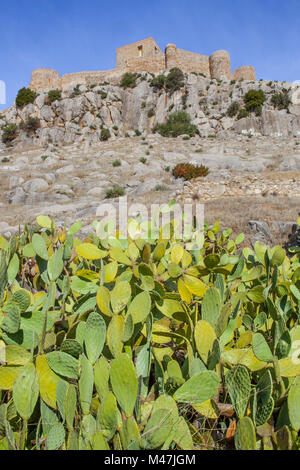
(215, 108)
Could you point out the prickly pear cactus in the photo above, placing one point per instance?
(245, 437)
(140, 343)
(239, 387)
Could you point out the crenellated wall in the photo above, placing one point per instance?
(146, 56)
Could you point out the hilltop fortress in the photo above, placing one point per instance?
(146, 56)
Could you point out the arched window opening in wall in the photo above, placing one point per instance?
(140, 49)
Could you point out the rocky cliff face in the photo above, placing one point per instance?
(80, 114)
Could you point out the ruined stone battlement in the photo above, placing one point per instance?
(146, 56)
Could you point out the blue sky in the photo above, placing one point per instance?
(76, 35)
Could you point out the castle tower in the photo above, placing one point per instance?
(171, 56)
(220, 66)
(45, 79)
(247, 72)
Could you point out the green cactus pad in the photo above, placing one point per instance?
(245, 437)
(124, 383)
(238, 384)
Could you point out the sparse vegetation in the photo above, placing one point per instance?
(105, 134)
(128, 80)
(116, 191)
(233, 109)
(30, 125)
(54, 95)
(151, 113)
(161, 188)
(117, 163)
(9, 133)
(76, 91)
(281, 100)
(243, 113)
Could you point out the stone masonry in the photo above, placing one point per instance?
(146, 56)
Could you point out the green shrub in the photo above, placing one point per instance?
(138, 133)
(9, 133)
(161, 188)
(174, 80)
(25, 96)
(31, 125)
(243, 113)
(54, 95)
(188, 171)
(254, 100)
(233, 109)
(76, 91)
(116, 191)
(116, 163)
(103, 95)
(128, 80)
(105, 134)
(151, 113)
(143, 160)
(158, 83)
(177, 124)
(281, 100)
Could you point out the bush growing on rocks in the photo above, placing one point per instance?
(105, 134)
(9, 133)
(151, 113)
(174, 80)
(116, 191)
(233, 109)
(158, 83)
(128, 80)
(281, 100)
(254, 100)
(31, 125)
(243, 113)
(170, 83)
(54, 95)
(188, 171)
(25, 96)
(177, 124)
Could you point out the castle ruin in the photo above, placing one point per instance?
(146, 56)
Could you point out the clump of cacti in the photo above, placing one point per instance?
(141, 344)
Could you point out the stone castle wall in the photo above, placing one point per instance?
(147, 48)
(190, 62)
(146, 56)
(246, 72)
